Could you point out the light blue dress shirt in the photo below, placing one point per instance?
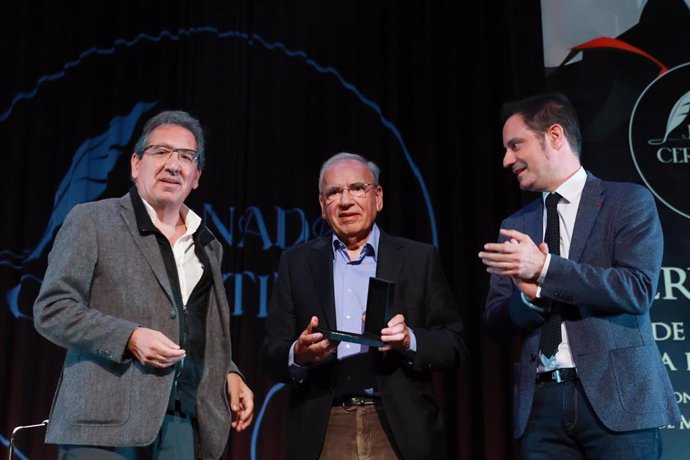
(350, 289)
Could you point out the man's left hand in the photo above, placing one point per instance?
(241, 402)
(396, 334)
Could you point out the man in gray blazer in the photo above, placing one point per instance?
(590, 382)
(134, 292)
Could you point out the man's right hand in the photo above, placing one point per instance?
(311, 347)
(518, 256)
(153, 348)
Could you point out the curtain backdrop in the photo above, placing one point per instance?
(279, 86)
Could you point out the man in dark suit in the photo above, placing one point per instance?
(590, 382)
(135, 294)
(336, 387)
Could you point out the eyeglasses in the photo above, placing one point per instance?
(355, 189)
(164, 152)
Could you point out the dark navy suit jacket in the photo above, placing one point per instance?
(607, 284)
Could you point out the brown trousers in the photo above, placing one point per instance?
(358, 433)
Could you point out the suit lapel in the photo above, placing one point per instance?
(534, 222)
(320, 260)
(389, 258)
(590, 205)
(148, 245)
(212, 259)
(388, 262)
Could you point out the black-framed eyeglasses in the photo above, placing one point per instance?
(355, 189)
(163, 153)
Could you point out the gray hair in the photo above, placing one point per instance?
(342, 156)
(173, 117)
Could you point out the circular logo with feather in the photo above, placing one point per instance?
(659, 138)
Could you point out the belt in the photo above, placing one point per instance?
(176, 413)
(176, 409)
(356, 401)
(558, 376)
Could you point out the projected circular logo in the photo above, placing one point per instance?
(659, 136)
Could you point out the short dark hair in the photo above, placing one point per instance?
(173, 117)
(543, 110)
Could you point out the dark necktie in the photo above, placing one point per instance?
(551, 329)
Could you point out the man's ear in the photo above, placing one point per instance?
(379, 198)
(134, 165)
(322, 205)
(555, 136)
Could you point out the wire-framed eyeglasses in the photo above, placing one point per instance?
(355, 189)
(163, 153)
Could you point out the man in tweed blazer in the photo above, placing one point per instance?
(134, 292)
(604, 391)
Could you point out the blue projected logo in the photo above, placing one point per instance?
(85, 180)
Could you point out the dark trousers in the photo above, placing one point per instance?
(175, 441)
(563, 426)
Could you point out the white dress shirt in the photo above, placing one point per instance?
(189, 267)
(571, 192)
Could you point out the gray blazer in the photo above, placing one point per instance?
(104, 279)
(608, 283)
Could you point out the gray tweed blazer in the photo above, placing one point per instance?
(104, 279)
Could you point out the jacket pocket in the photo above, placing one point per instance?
(641, 379)
(95, 391)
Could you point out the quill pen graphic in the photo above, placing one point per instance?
(85, 180)
(87, 176)
(679, 112)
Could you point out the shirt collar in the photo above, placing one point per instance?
(191, 219)
(371, 248)
(571, 188)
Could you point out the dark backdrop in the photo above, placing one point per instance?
(279, 86)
